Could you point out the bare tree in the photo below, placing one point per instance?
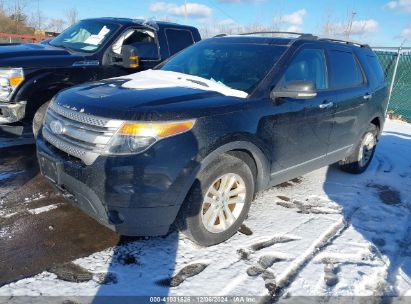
(37, 20)
(349, 23)
(328, 27)
(72, 16)
(2, 8)
(17, 13)
(13, 19)
(56, 25)
(206, 30)
(17, 10)
(345, 28)
(256, 27)
(277, 22)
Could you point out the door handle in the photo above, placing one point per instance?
(367, 96)
(326, 105)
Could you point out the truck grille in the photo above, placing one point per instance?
(78, 134)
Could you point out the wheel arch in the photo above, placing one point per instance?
(40, 89)
(250, 154)
(244, 150)
(379, 123)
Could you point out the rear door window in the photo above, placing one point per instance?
(346, 72)
(376, 69)
(178, 40)
(309, 64)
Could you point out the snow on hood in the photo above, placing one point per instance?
(152, 79)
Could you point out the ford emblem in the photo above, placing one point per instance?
(57, 127)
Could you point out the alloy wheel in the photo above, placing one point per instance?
(223, 203)
(367, 147)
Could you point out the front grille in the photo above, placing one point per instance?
(84, 136)
(84, 118)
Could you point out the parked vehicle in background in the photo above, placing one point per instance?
(192, 141)
(93, 49)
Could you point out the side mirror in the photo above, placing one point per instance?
(130, 57)
(296, 89)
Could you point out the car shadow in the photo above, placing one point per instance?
(139, 268)
(377, 205)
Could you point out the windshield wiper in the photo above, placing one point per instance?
(62, 46)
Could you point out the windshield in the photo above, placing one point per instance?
(240, 66)
(85, 36)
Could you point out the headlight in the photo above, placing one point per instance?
(10, 79)
(134, 138)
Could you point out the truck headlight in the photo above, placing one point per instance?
(134, 138)
(10, 79)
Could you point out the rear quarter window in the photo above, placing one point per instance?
(178, 40)
(375, 69)
(346, 72)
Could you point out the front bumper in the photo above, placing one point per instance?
(12, 112)
(136, 195)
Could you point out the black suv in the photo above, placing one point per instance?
(192, 141)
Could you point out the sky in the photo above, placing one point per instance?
(377, 22)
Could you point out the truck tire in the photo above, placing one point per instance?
(218, 202)
(359, 160)
(39, 117)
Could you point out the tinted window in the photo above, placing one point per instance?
(346, 71)
(240, 66)
(376, 69)
(309, 64)
(178, 40)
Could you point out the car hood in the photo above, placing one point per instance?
(142, 98)
(35, 55)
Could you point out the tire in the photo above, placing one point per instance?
(359, 160)
(193, 216)
(38, 118)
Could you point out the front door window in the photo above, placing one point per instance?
(308, 65)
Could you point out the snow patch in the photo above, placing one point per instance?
(7, 215)
(154, 79)
(43, 209)
(34, 197)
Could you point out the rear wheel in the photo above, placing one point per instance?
(218, 201)
(359, 160)
(38, 118)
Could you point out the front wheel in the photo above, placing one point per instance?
(218, 201)
(359, 160)
(38, 118)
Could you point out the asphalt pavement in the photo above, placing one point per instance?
(39, 229)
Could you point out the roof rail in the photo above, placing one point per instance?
(363, 45)
(301, 35)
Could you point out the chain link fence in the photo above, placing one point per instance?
(396, 63)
